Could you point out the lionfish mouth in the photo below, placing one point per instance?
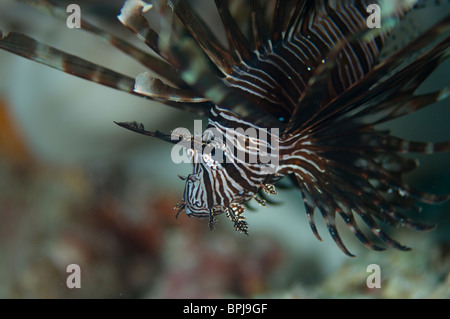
(314, 69)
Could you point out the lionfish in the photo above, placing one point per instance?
(312, 70)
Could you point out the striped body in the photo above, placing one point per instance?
(307, 77)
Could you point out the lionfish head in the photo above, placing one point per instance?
(202, 196)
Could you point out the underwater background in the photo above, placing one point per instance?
(76, 188)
